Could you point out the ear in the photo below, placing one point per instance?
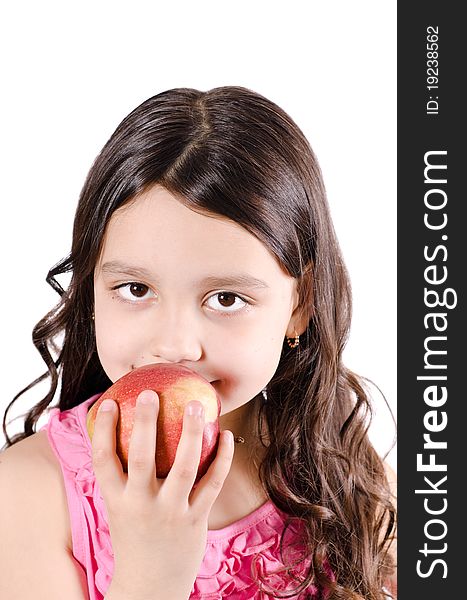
(301, 314)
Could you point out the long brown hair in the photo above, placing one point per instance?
(232, 152)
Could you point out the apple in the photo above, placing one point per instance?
(176, 386)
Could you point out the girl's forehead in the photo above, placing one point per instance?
(159, 210)
(157, 219)
(157, 229)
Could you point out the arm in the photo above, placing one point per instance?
(34, 558)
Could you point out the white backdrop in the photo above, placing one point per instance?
(71, 73)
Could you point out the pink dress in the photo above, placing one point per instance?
(251, 545)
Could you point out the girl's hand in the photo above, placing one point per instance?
(158, 527)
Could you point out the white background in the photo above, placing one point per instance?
(70, 74)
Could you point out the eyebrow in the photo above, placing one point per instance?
(240, 279)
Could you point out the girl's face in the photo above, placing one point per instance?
(174, 286)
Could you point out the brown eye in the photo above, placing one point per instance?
(134, 292)
(226, 300)
(138, 290)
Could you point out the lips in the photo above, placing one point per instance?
(213, 382)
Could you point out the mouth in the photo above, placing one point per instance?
(213, 383)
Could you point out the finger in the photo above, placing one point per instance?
(142, 449)
(183, 473)
(106, 464)
(210, 485)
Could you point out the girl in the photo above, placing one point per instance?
(203, 238)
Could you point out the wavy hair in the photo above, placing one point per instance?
(231, 152)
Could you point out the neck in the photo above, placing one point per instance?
(242, 421)
(242, 491)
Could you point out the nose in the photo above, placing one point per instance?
(175, 337)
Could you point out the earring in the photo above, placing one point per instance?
(295, 343)
(92, 316)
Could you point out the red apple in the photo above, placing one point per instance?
(176, 386)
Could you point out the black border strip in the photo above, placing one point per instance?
(431, 301)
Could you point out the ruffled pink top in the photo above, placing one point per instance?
(234, 554)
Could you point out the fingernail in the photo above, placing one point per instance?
(106, 405)
(195, 409)
(147, 397)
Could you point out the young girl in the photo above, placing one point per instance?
(203, 238)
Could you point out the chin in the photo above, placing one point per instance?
(230, 407)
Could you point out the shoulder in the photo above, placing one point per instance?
(35, 552)
(391, 476)
(32, 475)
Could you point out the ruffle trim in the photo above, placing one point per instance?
(251, 551)
(234, 555)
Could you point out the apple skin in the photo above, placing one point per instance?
(176, 386)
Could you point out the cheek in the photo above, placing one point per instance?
(250, 359)
(266, 353)
(115, 346)
(263, 350)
